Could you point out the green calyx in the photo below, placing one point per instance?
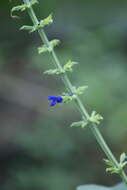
(75, 92)
(40, 25)
(49, 48)
(68, 66)
(113, 169)
(68, 98)
(80, 90)
(95, 118)
(23, 7)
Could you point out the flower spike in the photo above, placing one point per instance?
(73, 93)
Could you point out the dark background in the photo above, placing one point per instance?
(38, 149)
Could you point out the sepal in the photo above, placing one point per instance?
(112, 169)
(29, 28)
(95, 118)
(46, 21)
(68, 98)
(68, 66)
(43, 49)
(80, 90)
(116, 169)
(40, 25)
(81, 124)
(123, 160)
(52, 45)
(123, 156)
(54, 71)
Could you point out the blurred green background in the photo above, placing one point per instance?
(38, 149)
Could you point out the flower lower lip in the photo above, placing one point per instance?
(55, 100)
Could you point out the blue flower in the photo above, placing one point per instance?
(55, 100)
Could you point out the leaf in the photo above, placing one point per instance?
(119, 186)
(93, 187)
(123, 164)
(18, 8)
(26, 28)
(79, 124)
(108, 162)
(122, 157)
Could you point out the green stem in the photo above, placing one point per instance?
(78, 102)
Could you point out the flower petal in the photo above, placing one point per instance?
(59, 99)
(53, 103)
(54, 98)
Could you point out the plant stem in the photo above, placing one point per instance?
(78, 102)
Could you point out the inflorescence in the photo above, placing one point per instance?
(94, 118)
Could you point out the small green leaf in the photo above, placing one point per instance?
(30, 28)
(122, 157)
(53, 71)
(43, 49)
(46, 21)
(19, 8)
(54, 43)
(81, 124)
(123, 164)
(108, 162)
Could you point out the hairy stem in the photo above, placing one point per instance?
(78, 102)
